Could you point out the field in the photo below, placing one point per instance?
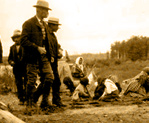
(124, 110)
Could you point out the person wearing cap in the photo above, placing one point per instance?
(16, 60)
(36, 46)
(53, 55)
(53, 24)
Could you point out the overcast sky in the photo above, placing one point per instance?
(88, 26)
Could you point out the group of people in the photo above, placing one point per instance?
(36, 53)
(107, 89)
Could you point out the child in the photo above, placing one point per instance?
(16, 60)
(81, 90)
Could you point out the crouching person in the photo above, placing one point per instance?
(69, 84)
(81, 90)
(107, 89)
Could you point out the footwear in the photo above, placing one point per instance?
(44, 105)
(21, 103)
(60, 104)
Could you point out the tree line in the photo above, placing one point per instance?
(137, 47)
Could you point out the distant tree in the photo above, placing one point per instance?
(134, 48)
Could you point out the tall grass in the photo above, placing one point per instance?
(104, 67)
(6, 80)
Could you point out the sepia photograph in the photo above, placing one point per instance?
(74, 61)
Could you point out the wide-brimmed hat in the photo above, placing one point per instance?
(53, 20)
(42, 4)
(16, 33)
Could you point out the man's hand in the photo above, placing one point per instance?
(42, 50)
(12, 63)
(52, 59)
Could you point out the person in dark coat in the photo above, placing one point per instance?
(16, 60)
(36, 46)
(53, 55)
(53, 24)
(1, 52)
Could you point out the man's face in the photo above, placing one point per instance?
(43, 12)
(16, 40)
(54, 27)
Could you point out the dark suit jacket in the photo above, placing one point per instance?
(1, 53)
(31, 38)
(18, 58)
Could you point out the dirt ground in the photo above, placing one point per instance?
(124, 110)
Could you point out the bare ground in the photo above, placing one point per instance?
(124, 110)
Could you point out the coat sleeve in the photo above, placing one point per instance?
(50, 52)
(25, 36)
(10, 57)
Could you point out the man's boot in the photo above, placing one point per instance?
(45, 104)
(29, 96)
(38, 93)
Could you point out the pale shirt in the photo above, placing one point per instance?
(110, 87)
(80, 89)
(18, 47)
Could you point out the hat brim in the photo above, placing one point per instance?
(42, 7)
(54, 23)
(15, 36)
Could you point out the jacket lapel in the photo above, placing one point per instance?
(36, 22)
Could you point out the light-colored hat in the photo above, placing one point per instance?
(16, 33)
(53, 20)
(43, 4)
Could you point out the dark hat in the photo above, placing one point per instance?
(84, 81)
(42, 4)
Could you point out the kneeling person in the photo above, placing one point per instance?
(81, 90)
(107, 88)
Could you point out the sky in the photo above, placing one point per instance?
(88, 26)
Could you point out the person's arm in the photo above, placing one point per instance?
(10, 57)
(26, 33)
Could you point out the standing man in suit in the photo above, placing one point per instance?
(16, 60)
(53, 55)
(35, 42)
(53, 24)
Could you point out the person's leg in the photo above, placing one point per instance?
(32, 72)
(20, 91)
(47, 78)
(56, 89)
